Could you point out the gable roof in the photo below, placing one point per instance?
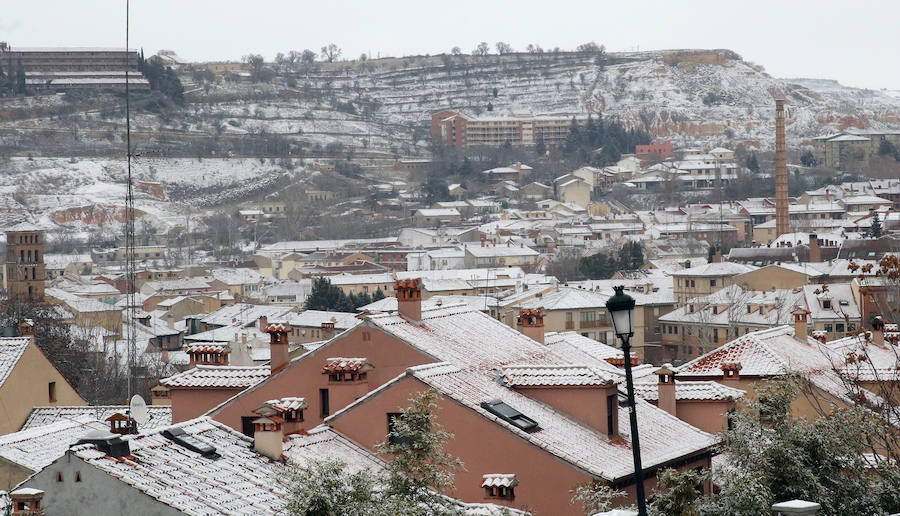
(663, 437)
(218, 377)
(35, 448)
(160, 415)
(768, 352)
(11, 350)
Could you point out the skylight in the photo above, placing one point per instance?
(511, 415)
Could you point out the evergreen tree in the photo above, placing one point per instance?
(378, 295)
(20, 79)
(540, 148)
(419, 466)
(597, 266)
(752, 163)
(876, 230)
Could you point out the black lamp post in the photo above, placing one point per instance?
(621, 310)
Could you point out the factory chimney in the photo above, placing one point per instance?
(782, 217)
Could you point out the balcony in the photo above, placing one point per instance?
(570, 325)
(590, 324)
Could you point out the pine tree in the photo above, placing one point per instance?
(378, 295)
(876, 230)
(419, 466)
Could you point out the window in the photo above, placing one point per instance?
(611, 405)
(839, 327)
(78, 476)
(656, 311)
(366, 336)
(851, 327)
(715, 335)
(829, 328)
(51, 391)
(712, 283)
(510, 415)
(588, 316)
(826, 304)
(323, 401)
(693, 284)
(59, 476)
(392, 436)
(715, 310)
(568, 316)
(675, 330)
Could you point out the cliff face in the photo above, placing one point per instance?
(381, 107)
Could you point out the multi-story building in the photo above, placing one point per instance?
(459, 129)
(851, 146)
(65, 68)
(25, 273)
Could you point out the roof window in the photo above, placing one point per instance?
(185, 440)
(511, 415)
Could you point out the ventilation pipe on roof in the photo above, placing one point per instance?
(815, 252)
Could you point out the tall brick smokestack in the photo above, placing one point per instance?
(782, 217)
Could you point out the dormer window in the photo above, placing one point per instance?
(346, 370)
(826, 304)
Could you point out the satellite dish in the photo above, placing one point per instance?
(138, 410)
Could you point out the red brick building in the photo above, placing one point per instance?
(655, 150)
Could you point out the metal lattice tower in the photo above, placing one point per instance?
(130, 330)
(782, 217)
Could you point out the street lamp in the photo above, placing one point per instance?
(621, 310)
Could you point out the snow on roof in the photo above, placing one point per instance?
(437, 212)
(238, 276)
(499, 480)
(315, 318)
(356, 279)
(528, 375)
(25, 226)
(160, 415)
(566, 298)
(218, 377)
(242, 313)
(11, 350)
(237, 481)
(389, 304)
(689, 391)
(663, 437)
(715, 269)
(577, 347)
(78, 303)
(36, 447)
(487, 251)
(459, 333)
(769, 352)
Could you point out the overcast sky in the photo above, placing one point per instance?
(856, 43)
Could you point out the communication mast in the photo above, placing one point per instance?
(130, 330)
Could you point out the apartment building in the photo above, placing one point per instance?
(459, 129)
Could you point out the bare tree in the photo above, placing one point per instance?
(455, 51)
(482, 49)
(504, 48)
(331, 52)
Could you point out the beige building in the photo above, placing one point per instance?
(503, 255)
(28, 379)
(571, 189)
(705, 279)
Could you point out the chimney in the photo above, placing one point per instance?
(717, 256)
(278, 347)
(801, 323)
(796, 508)
(782, 217)
(815, 252)
(26, 328)
(878, 331)
(731, 372)
(409, 299)
(263, 323)
(531, 324)
(820, 335)
(268, 437)
(666, 389)
(26, 501)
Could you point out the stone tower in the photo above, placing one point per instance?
(25, 273)
(782, 216)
